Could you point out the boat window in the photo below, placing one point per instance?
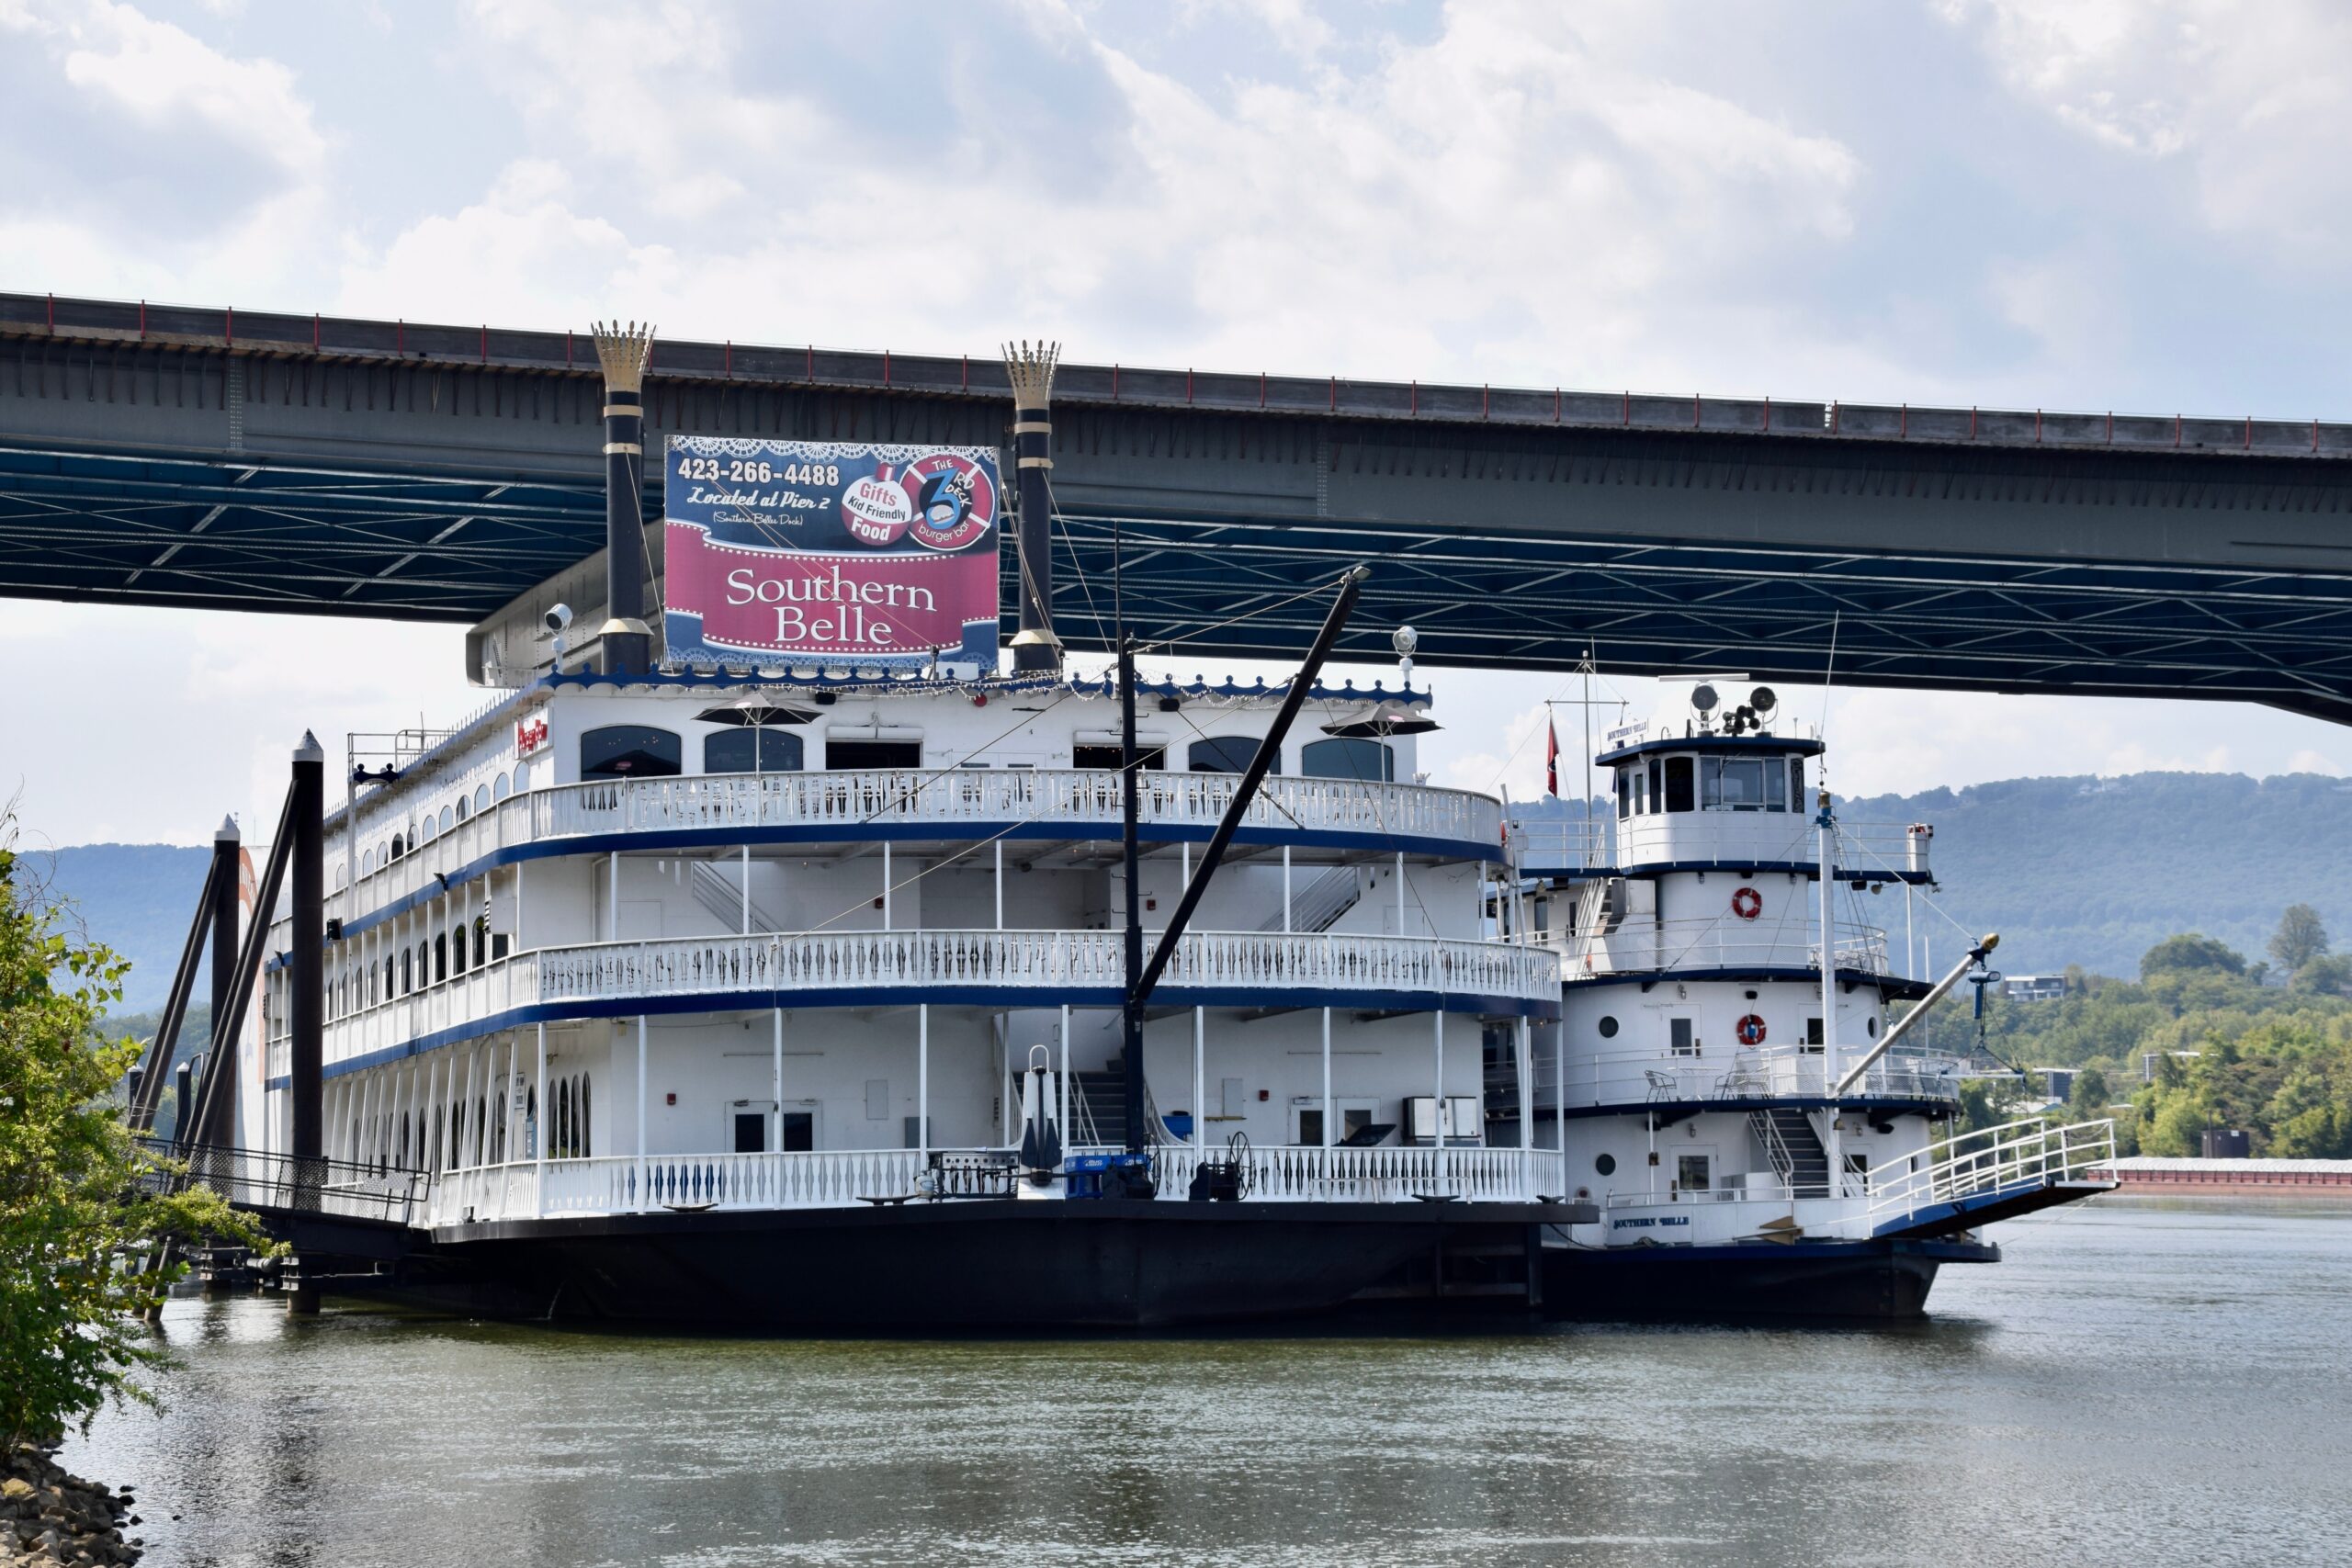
(397, 849)
(458, 949)
(408, 977)
(440, 958)
(1812, 1038)
(1605, 1163)
(629, 751)
(447, 818)
(1681, 786)
(1731, 783)
(425, 836)
(1796, 783)
(1346, 757)
(1608, 1026)
(481, 797)
(1776, 786)
(583, 1116)
(1693, 1172)
(1679, 1038)
(1641, 793)
(465, 807)
(1110, 758)
(845, 754)
(1625, 794)
(1225, 754)
(500, 788)
(751, 750)
(1658, 785)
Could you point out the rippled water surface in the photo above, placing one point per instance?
(2136, 1384)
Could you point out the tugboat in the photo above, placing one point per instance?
(1735, 1081)
(694, 981)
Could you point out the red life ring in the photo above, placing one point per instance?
(1747, 903)
(1751, 1031)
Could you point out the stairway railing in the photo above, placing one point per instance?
(2013, 1157)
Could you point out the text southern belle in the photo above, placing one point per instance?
(795, 623)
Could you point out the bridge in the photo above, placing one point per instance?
(233, 459)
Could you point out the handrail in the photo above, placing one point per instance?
(883, 799)
(1990, 1161)
(1714, 1071)
(1047, 961)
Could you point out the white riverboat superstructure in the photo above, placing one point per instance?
(694, 945)
(1755, 1134)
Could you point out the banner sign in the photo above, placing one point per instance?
(827, 552)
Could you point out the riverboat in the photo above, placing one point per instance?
(1737, 1081)
(811, 991)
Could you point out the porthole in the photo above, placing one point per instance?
(1605, 1164)
(1608, 1032)
(1870, 1026)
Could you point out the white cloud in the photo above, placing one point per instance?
(166, 80)
(2254, 101)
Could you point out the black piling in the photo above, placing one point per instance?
(627, 641)
(220, 1101)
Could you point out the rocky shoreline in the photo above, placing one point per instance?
(50, 1516)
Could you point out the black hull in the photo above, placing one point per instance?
(972, 1266)
(1886, 1280)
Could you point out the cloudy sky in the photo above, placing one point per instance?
(2130, 204)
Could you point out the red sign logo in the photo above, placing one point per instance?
(530, 734)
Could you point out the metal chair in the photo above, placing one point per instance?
(1662, 1084)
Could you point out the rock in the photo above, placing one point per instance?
(16, 1486)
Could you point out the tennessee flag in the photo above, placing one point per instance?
(1551, 758)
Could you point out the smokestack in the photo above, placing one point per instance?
(306, 963)
(627, 641)
(1035, 648)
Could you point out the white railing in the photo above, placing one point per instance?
(1082, 799)
(1388, 1175)
(1711, 1072)
(1717, 941)
(1046, 960)
(2011, 1157)
(845, 1178)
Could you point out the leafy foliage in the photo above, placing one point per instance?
(81, 1214)
(2299, 939)
(2229, 1051)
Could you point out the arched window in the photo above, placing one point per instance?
(447, 818)
(629, 751)
(561, 1134)
(427, 836)
(531, 1128)
(498, 1130)
(397, 849)
(440, 958)
(583, 1116)
(1226, 754)
(481, 797)
(750, 750)
(500, 788)
(408, 980)
(465, 807)
(457, 949)
(1347, 757)
(405, 1157)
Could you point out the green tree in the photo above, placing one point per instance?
(2190, 953)
(80, 1211)
(2329, 977)
(2299, 939)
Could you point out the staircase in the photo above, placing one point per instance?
(1316, 905)
(1103, 1096)
(721, 897)
(1794, 1149)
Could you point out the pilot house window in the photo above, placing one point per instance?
(629, 751)
(1113, 757)
(1682, 790)
(751, 750)
(850, 754)
(1225, 754)
(1345, 757)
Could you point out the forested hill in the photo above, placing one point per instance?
(2094, 872)
(136, 898)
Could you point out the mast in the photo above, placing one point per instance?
(1130, 853)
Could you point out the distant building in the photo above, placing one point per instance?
(2059, 1082)
(2148, 1060)
(2034, 988)
(2228, 1143)
(2225, 1178)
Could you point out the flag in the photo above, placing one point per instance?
(1551, 758)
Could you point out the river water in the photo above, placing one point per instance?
(2137, 1382)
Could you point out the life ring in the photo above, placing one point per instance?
(1747, 903)
(1751, 1031)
